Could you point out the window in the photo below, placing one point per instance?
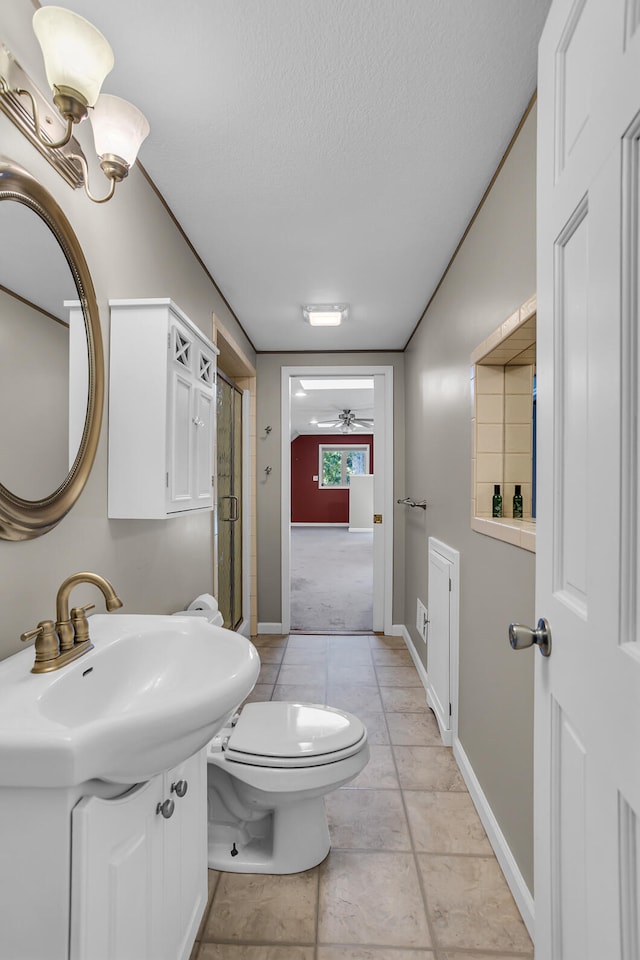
(339, 462)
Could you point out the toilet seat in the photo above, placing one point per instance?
(275, 734)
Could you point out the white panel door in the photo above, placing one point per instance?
(587, 702)
(439, 640)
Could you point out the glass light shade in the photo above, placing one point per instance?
(325, 318)
(118, 128)
(76, 55)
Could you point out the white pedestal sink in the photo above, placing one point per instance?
(150, 695)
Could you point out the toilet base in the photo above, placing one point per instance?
(295, 838)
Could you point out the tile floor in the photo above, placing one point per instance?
(411, 874)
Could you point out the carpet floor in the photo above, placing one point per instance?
(331, 580)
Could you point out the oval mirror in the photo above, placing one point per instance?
(51, 361)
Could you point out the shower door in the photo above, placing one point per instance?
(229, 490)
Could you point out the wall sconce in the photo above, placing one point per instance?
(77, 58)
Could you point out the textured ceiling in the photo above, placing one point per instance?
(324, 150)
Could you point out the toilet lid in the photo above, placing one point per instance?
(293, 734)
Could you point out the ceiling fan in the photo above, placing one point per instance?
(347, 422)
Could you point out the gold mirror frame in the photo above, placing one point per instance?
(26, 519)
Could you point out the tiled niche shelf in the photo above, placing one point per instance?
(502, 371)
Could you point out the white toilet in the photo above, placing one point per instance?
(268, 771)
(267, 775)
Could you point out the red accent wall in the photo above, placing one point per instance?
(310, 504)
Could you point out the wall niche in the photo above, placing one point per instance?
(503, 369)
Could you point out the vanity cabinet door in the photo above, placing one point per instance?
(185, 855)
(139, 868)
(117, 875)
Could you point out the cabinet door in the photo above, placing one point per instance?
(185, 856)
(180, 441)
(116, 877)
(204, 420)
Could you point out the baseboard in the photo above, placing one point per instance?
(399, 630)
(515, 880)
(270, 628)
(303, 524)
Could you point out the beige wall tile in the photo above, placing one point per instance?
(489, 379)
(489, 408)
(489, 468)
(517, 408)
(489, 438)
(517, 467)
(517, 438)
(518, 380)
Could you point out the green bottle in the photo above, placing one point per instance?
(517, 503)
(497, 501)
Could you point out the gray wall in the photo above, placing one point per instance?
(133, 249)
(494, 272)
(269, 368)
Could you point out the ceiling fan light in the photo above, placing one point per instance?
(76, 55)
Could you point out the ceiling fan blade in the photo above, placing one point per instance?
(330, 423)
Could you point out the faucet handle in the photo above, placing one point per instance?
(80, 623)
(47, 644)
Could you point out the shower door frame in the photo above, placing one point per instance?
(241, 624)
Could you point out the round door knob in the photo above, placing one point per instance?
(521, 637)
(180, 788)
(166, 808)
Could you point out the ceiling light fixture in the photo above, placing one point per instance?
(77, 59)
(325, 314)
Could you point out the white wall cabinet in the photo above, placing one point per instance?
(162, 374)
(139, 877)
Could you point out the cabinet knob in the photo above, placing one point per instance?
(166, 808)
(180, 788)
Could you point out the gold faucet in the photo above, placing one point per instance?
(55, 647)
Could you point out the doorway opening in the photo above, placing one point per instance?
(337, 568)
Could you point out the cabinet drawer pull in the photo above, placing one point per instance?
(166, 808)
(180, 788)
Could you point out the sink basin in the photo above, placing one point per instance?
(152, 692)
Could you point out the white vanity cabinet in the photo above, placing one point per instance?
(139, 869)
(162, 373)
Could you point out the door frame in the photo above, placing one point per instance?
(382, 441)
